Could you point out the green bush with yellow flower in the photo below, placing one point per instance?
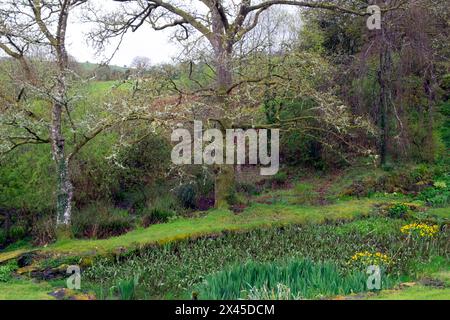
(367, 258)
(420, 230)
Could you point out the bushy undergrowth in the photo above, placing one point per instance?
(279, 179)
(301, 279)
(7, 270)
(100, 222)
(249, 189)
(304, 193)
(14, 234)
(43, 231)
(399, 180)
(398, 210)
(156, 215)
(437, 195)
(176, 268)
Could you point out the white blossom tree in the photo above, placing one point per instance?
(30, 26)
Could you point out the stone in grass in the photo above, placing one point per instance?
(67, 294)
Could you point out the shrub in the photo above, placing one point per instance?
(440, 185)
(438, 195)
(366, 258)
(3, 238)
(157, 215)
(165, 201)
(17, 233)
(7, 270)
(280, 178)
(100, 222)
(43, 231)
(398, 211)
(186, 194)
(250, 189)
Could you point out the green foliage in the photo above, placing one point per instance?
(130, 175)
(27, 179)
(377, 226)
(296, 147)
(100, 222)
(280, 178)
(156, 215)
(166, 200)
(43, 231)
(6, 271)
(249, 189)
(187, 195)
(438, 195)
(232, 199)
(304, 193)
(304, 279)
(16, 233)
(398, 211)
(144, 161)
(334, 33)
(191, 261)
(445, 128)
(22, 289)
(396, 180)
(127, 288)
(3, 237)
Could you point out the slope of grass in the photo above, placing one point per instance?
(25, 290)
(443, 213)
(216, 221)
(418, 292)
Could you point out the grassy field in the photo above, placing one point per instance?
(25, 290)
(418, 292)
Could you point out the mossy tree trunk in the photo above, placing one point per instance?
(64, 190)
(225, 173)
(64, 185)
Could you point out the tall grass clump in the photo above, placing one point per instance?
(295, 279)
(127, 288)
(100, 222)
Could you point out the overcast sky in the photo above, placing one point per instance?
(144, 42)
(156, 45)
